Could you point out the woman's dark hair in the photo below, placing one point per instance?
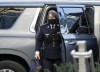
(54, 13)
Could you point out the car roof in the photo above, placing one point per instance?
(43, 0)
(40, 3)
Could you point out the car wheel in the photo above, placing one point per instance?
(11, 66)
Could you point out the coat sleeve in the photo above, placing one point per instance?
(39, 40)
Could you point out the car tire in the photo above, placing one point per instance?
(11, 66)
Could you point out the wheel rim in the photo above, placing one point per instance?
(6, 70)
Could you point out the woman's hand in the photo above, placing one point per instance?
(37, 55)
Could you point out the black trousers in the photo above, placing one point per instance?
(48, 64)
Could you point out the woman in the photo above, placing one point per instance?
(50, 35)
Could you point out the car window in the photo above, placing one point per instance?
(62, 20)
(76, 19)
(68, 17)
(72, 15)
(8, 17)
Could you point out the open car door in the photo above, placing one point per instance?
(76, 26)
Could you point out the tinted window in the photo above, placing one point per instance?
(8, 16)
(72, 18)
(69, 16)
(72, 15)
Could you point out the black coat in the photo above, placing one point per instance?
(52, 40)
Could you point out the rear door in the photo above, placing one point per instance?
(75, 26)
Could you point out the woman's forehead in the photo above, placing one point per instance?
(51, 14)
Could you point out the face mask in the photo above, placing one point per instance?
(52, 21)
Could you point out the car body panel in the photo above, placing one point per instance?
(39, 3)
(19, 40)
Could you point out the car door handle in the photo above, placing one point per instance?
(72, 43)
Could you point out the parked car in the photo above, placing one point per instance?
(19, 26)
